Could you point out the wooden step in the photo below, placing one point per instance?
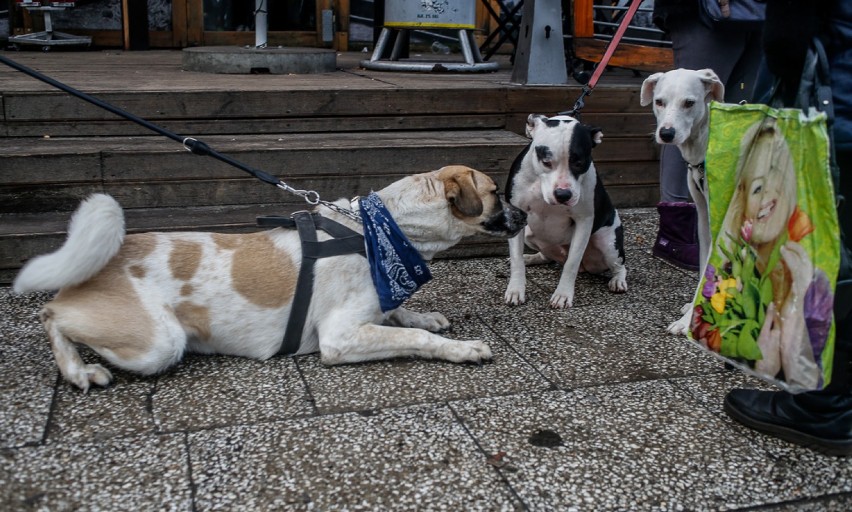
(54, 174)
(154, 172)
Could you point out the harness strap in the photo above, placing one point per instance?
(346, 241)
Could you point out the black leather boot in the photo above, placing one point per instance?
(817, 419)
(821, 420)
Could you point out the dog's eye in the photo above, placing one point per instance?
(547, 163)
(689, 103)
(659, 102)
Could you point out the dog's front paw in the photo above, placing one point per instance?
(515, 295)
(466, 351)
(90, 374)
(562, 300)
(618, 284)
(681, 326)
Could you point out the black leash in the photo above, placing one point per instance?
(194, 146)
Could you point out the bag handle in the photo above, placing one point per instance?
(815, 91)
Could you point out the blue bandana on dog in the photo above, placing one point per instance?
(397, 268)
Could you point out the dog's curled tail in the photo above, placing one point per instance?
(95, 235)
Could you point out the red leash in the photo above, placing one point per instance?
(601, 66)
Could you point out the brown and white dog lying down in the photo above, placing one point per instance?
(142, 300)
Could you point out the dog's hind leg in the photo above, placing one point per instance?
(536, 259)
(71, 366)
(119, 329)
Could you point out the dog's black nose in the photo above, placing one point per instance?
(563, 195)
(667, 134)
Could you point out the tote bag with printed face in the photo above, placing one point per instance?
(765, 301)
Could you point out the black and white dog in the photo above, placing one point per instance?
(570, 218)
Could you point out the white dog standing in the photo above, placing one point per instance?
(142, 300)
(571, 219)
(681, 98)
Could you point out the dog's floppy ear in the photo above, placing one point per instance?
(597, 135)
(534, 121)
(647, 93)
(460, 191)
(712, 84)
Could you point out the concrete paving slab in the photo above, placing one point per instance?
(210, 391)
(415, 381)
(27, 371)
(808, 472)
(638, 446)
(143, 472)
(122, 409)
(612, 350)
(417, 458)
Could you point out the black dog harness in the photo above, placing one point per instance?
(344, 241)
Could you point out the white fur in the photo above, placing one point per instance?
(681, 98)
(95, 234)
(162, 294)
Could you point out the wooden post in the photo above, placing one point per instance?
(583, 18)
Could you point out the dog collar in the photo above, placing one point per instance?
(396, 267)
(697, 167)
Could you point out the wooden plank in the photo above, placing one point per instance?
(179, 24)
(46, 168)
(610, 99)
(313, 102)
(56, 197)
(628, 174)
(155, 157)
(195, 23)
(262, 104)
(627, 124)
(632, 56)
(256, 125)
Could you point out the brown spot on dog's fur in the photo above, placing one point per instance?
(226, 241)
(263, 274)
(184, 259)
(195, 319)
(186, 290)
(137, 247)
(105, 312)
(137, 271)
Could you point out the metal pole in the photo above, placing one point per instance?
(260, 23)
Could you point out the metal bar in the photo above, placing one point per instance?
(465, 47)
(640, 40)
